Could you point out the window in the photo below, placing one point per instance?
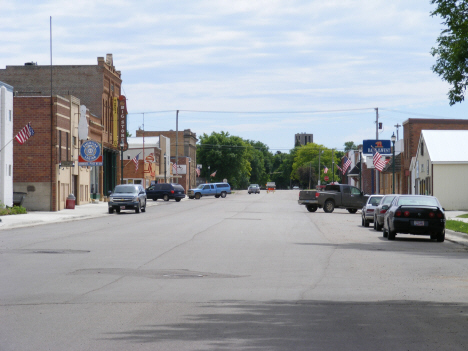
(422, 149)
(422, 167)
(427, 167)
(9, 115)
(355, 191)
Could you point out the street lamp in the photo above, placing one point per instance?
(165, 171)
(393, 138)
(121, 160)
(360, 167)
(189, 162)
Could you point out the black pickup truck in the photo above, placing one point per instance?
(334, 196)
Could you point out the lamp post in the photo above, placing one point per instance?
(393, 138)
(189, 162)
(165, 171)
(360, 167)
(121, 161)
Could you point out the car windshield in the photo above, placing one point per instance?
(375, 200)
(417, 200)
(129, 189)
(200, 186)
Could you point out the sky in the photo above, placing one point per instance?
(261, 70)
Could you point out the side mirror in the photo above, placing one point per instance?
(109, 192)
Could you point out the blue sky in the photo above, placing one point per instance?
(293, 62)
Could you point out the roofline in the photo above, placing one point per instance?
(435, 121)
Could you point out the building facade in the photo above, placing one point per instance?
(303, 139)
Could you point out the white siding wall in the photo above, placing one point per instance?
(6, 143)
(449, 186)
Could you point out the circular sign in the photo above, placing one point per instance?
(90, 151)
(326, 178)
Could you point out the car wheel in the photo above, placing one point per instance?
(374, 225)
(366, 223)
(191, 197)
(166, 197)
(177, 200)
(329, 206)
(138, 208)
(311, 208)
(111, 210)
(143, 209)
(391, 233)
(362, 221)
(197, 196)
(441, 237)
(117, 210)
(378, 226)
(223, 194)
(352, 210)
(155, 199)
(384, 232)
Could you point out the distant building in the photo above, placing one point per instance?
(303, 139)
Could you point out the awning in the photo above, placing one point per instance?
(355, 171)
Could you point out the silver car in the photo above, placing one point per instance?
(369, 209)
(254, 188)
(127, 197)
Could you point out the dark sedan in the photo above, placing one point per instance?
(379, 213)
(166, 191)
(414, 214)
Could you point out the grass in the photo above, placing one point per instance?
(457, 226)
(463, 216)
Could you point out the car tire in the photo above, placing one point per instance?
(352, 210)
(155, 199)
(362, 221)
(391, 234)
(311, 208)
(216, 196)
(138, 208)
(177, 200)
(375, 228)
(329, 206)
(378, 226)
(441, 237)
(111, 210)
(143, 209)
(166, 197)
(223, 194)
(197, 196)
(117, 210)
(191, 197)
(366, 223)
(384, 232)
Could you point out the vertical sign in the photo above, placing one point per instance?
(122, 120)
(83, 124)
(115, 124)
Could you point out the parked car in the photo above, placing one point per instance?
(213, 189)
(127, 197)
(296, 187)
(254, 188)
(379, 213)
(369, 208)
(166, 191)
(414, 214)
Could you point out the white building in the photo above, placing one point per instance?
(440, 167)
(6, 144)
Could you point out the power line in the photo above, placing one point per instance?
(255, 112)
(415, 113)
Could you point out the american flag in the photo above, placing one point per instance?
(325, 170)
(377, 160)
(24, 134)
(198, 171)
(174, 165)
(339, 168)
(135, 160)
(346, 164)
(213, 174)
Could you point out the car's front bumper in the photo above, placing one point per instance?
(123, 205)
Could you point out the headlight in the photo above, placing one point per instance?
(135, 199)
(111, 198)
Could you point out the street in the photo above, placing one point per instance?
(248, 272)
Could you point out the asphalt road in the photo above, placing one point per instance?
(249, 272)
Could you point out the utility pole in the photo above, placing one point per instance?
(333, 167)
(397, 128)
(319, 170)
(177, 146)
(377, 190)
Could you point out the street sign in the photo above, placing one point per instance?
(382, 146)
(326, 178)
(90, 154)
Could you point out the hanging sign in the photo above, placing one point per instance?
(90, 154)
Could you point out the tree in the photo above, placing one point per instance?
(349, 145)
(452, 50)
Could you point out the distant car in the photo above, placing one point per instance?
(414, 214)
(127, 197)
(295, 187)
(254, 188)
(369, 209)
(166, 191)
(379, 213)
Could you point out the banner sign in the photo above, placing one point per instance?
(382, 146)
(82, 124)
(90, 154)
(115, 124)
(122, 120)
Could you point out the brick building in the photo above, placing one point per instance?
(94, 85)
(412, 128)
(186, 151)
(40, 166)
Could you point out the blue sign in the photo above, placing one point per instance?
(90, 154)
(383, 147)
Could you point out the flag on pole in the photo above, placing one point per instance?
(325, 170)
(213, 174)
(135, 160)
(379, 164)
(174, 165)
(346, 164)
(24, 134)
(198, 171)
(339, 168)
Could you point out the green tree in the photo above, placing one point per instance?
(349, 145)
(452, 50)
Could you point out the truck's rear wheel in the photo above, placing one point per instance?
(311, 208)
(223, 194)
(352, 210)
(329, 206)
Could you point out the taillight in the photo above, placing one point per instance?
(317, 194)
(398, 213)
(440, 215)
(172, 191)
(406, 214)
(431, 214)
(382, 211)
